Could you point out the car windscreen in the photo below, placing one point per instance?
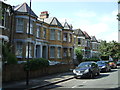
(84, 65)
(101, 63)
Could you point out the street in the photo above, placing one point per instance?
(105, 80)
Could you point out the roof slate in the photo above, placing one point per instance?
(52, 21)
(25, 9)
(86, 35)
(93, 39)
(79, 32)
(66, 26)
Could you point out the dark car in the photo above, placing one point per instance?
(87, 69)
(112, 64)
(104, 66)
(118, 63)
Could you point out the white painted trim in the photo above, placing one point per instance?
(38, 24)
(55, 46)
(44, 26)
(81, 37)
(55, 28)
(94, 42)
(6, 38)
(25, 17)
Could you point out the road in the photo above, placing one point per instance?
(105, 80)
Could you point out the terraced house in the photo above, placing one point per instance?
(94, 47)
(68, 42)
(47, 38)
(79, 40)
(6, 15)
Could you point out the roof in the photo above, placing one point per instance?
(86, 35)
(24, 8)
(79, 32)
(67, 26)
(93, 39)
(52, 21)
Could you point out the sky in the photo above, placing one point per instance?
(96, 17)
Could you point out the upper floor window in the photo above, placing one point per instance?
(44, 32)
(52, 34)
(59, 35)
(74, 40)
(65, 37)
(70, 38)
(79, 41)
(19, 25)
(38, 32)
(31, 28)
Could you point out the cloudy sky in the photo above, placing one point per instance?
(96, 17)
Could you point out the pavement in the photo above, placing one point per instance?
(39, 82)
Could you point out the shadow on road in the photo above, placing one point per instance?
(113, 88)
(101, 76)
(51, 87)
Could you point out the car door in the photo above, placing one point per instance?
(93, 68)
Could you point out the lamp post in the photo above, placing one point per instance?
(27, 74)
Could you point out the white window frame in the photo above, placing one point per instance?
(31, 27)
(52, 35)
(19, 49)
(30, 51)
(52, 53)
(38, 32)
(44, 33)
(19, 25)
(59, 35)
(65, 37)
(59, 52)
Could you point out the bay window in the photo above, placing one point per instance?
(19, 25)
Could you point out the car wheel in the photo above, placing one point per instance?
(98, 73)
(109, 70)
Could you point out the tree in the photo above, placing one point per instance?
(7, 56)
(78, 52)
(110, 49)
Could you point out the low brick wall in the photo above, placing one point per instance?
(17, 72)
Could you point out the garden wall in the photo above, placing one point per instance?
(17, 72)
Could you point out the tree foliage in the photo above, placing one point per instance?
(79, 55)
(110, 49)
(7, 56)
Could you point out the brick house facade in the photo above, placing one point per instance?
(48, 37)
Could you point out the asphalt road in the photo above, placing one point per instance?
(105, 81)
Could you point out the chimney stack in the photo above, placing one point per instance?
(44, 15)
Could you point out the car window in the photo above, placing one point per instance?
(82, 65)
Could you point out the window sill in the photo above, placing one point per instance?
(19, 31)
(19, 56)
(52, 57)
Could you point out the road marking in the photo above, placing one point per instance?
(74, 86)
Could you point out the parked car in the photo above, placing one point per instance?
(112, 64)
(53, 62)
(118, 63)
(104, 66)
(87, 69)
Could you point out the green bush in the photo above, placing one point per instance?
(105, 57)
(36, 64)
(11, 59)
(78, 52)
(91, 59)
